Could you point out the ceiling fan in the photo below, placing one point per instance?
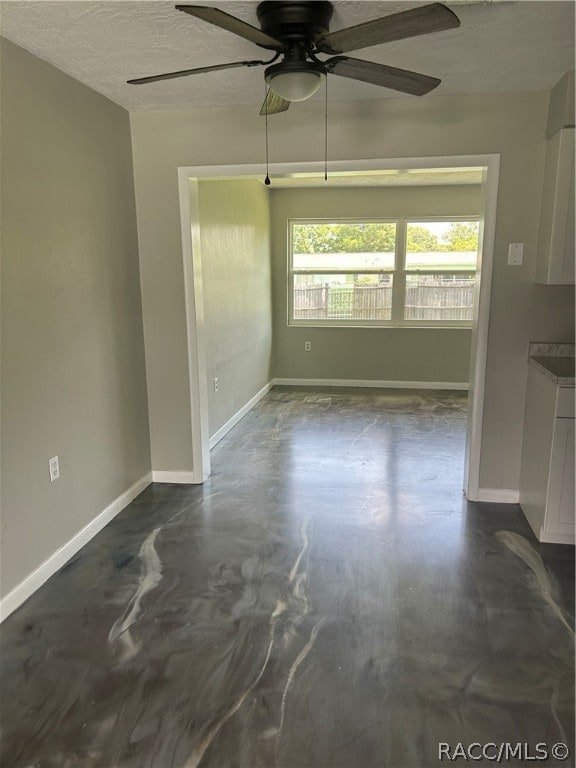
(298, 31)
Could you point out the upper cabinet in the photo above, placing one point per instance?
(555, 262)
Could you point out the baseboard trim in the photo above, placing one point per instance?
(183, 477)
(546, 537)
(498, 495)
(379, 384)
(223, 431)
(60, 557)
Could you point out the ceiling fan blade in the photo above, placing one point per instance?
(274, 104)
(196, 71)
(380, 74)
(417, 21)
(232, 24)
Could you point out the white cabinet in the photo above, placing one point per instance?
(547, 472)
(555, 262)
(560, 507)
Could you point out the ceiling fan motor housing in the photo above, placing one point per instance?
(295, 22)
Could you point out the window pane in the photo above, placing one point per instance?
(442, 245)
(342, 297)
(345, 245)
(439, 297)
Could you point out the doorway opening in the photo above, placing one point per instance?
(478, 169)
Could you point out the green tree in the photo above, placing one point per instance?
(421, 240)
(462, 236)
(347, 237)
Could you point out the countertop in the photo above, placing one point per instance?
(555, 361)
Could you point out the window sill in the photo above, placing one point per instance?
(359, 324)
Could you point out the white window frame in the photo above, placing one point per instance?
(399, 274)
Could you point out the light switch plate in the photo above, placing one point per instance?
(54, 467)
(515, 254)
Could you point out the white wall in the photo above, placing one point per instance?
(73, 374)
(512, 125)
(236, 279)
(385, 354)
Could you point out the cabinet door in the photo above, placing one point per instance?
(567, 267)
(555, 262)
(560, 509)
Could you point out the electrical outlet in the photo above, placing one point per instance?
(216, 384)
(307, 346)
(54, 468)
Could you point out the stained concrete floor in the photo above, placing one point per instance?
(327, 598)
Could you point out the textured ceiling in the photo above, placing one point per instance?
(500, 46)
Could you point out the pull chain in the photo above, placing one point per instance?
(266, 92)
(326, 131)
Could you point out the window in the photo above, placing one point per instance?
(382, 272)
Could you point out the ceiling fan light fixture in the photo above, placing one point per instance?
(295, 80)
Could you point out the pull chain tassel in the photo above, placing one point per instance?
(326, 131)
(266, 91)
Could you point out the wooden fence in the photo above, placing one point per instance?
(439, 301)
